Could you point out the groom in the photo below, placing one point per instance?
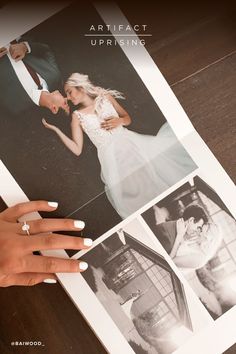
(171, 233)
(29, 77)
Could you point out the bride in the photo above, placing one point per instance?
(135, 168)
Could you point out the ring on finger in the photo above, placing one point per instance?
(26, 227)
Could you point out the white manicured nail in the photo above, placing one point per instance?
(53, 204)
(83, 265)
(79, 224)
(88, 242)
(50, 281)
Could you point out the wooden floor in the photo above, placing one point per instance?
(195, 48)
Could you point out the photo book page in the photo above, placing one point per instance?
(88, 120)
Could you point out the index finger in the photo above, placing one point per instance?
(19, 57)
(13, 213)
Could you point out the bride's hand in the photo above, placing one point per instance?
(49, 126)
(181, 229)
(111, 123)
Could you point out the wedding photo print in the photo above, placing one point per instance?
(199, 233)
(141, 293)
(79, 120)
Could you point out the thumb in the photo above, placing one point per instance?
(28, 279)
(19, 57)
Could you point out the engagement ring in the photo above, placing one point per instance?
(26, 228)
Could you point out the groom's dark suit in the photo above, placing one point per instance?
(14, 98)
(166, 233)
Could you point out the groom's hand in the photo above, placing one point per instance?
(18, 51)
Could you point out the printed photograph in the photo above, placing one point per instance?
(78, 125)
(199, 233)
(141, 293)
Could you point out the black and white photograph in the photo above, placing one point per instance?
(141, 292)
(199, 233)
(79, 126)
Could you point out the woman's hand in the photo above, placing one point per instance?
(49, 126)
(18, 264)
(111, 123)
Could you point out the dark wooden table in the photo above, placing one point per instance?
(195, 48)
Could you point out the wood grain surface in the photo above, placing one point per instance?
(195, 48)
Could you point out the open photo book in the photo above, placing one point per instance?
(88, 120)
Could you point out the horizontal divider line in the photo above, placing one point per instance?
(118, 35)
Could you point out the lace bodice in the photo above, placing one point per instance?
(91, 122)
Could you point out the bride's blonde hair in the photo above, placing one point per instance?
(82, 81)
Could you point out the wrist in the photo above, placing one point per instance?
(180, 236)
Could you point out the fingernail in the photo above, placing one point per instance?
(88, 241)
(50, 281)
(53, 204)
(79, 224)
(83, 265)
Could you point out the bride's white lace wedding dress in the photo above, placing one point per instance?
(135, 168)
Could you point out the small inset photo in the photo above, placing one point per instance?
(142, 294)
(199, 233)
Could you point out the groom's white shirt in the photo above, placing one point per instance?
(25, 78)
